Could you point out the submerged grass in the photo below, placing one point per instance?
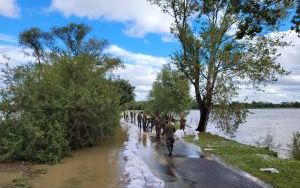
(250, 159)
(21, 182)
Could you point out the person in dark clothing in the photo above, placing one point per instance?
(169, 131)
(164, 123)
(127, 117)
(158, 126)
(152, 120)
(182, 123)
(145, 122)
(139, 119)
(131, 117)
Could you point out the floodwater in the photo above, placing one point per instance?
(94, 167)
(280, 123)
(187, 168)
(154, 153)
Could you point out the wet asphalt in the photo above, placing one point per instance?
(187, 167)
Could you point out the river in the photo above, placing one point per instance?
(280, 123)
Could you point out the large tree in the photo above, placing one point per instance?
(170, 93)
(225, 44)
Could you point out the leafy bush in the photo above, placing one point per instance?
(26, 141)
(56, 107)
(295, 148)
(64, 101)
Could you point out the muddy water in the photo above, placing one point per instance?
(94, 167)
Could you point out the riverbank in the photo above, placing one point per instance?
(250, 159)
(277, 124)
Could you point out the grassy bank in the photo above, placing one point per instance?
(250, 159)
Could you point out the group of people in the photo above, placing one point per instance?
(163, 125)
(132, 116)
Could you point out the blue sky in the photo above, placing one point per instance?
(40, 14)
(138, 34)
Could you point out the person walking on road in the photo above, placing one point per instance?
(169, 131)
(152, 121)
(182, 123)
(145, 121)
(139, 119)
(131, 116)
(158, 126)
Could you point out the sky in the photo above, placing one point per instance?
(138, 34)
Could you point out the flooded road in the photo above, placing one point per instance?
(154, 153)
(94, 167)
(187, 167)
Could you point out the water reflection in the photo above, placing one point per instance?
(153, 152)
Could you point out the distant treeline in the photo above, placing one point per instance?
(254, 104)
(140, 105)
(137, 105)
(272, 105)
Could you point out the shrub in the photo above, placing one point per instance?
(64, 101)
(56, 108)
(295, 148)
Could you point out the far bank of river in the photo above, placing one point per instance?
(280, 123)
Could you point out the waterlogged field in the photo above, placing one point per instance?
(280, 123)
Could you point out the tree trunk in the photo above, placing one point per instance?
(204, 116)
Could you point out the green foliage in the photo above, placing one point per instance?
(228, 117)
(250, 159)
(170, 93)
(137, 105)
(59, 105)
(296, 146)
(32, 38)
(21, 182)
(126, 91)
(70, 40)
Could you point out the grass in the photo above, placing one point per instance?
(20, 182)
(250, 159)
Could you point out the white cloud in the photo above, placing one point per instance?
(9, 8)
(167, 38)
(287, 88)
(8, 38)
(136, 58)
(139, 16)
(140, 69)
(14, 53)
